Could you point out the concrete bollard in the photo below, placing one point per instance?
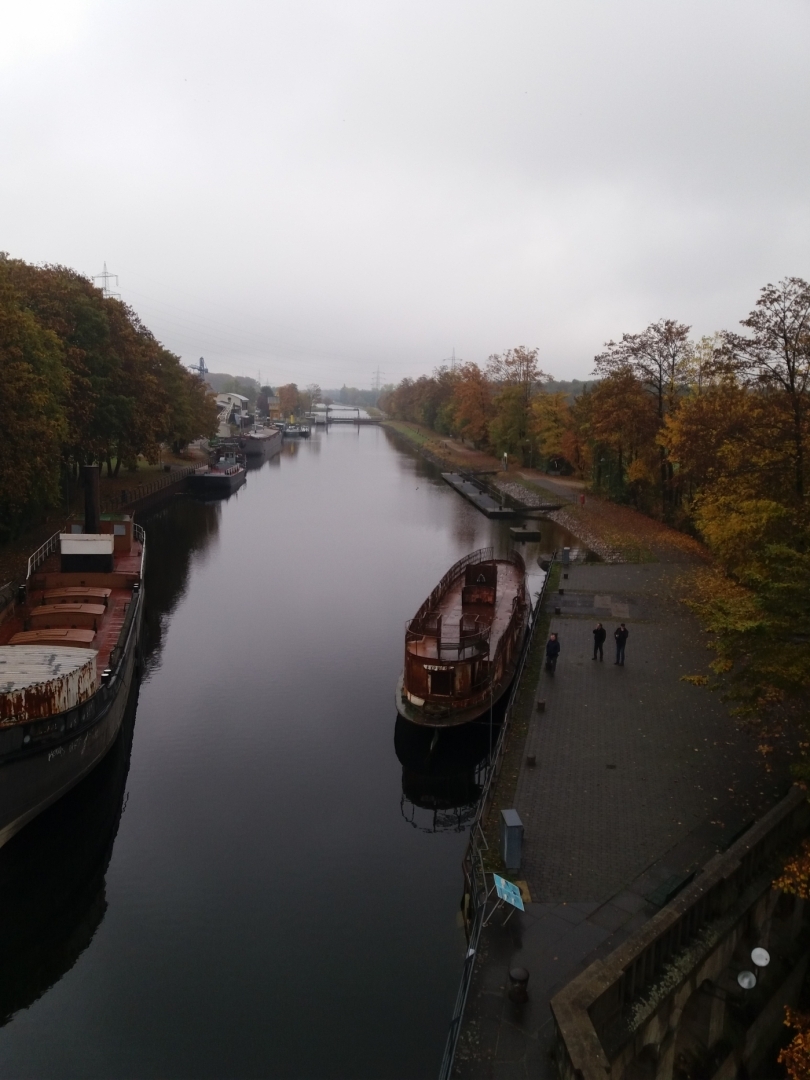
(541, 706)
(531, 760)
(557, 611)
(518, 984)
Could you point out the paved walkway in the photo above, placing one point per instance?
(640, 778)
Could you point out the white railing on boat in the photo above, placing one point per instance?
(140, 537)
(42, 553)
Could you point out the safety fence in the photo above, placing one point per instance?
(475, 886)
(129, 496)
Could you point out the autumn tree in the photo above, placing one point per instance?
(32, 389)
(124, 394)
(550, 422)
(776, 356)
(516, 376)
(660, 358)
(472, 404)
(289, 399)
(622, 428)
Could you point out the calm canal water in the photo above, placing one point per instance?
(263, 878)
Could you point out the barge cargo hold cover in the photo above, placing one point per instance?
(37, 682)
(463, 645)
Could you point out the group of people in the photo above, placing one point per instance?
(620, 636)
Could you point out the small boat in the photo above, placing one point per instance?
(261, 442)
(68, 653)
(463, 645)
(221, 478)
(296, 431)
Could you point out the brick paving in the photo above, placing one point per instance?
(640, 778)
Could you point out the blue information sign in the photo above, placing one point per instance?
(508, 892)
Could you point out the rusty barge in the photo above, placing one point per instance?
(464, 643)
(68, 656)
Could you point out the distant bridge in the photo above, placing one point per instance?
(327, 415)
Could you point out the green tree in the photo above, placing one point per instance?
(32, 389)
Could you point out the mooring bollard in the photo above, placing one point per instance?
(531, 760)
(557, 611)
(518, 983)
(541, 706)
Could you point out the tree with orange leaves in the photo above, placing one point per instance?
(472, 404)
(796, 1056)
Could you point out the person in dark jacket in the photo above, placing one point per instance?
(599, 635)
(552, 652)
(621, 634)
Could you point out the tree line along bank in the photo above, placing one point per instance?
(710, 436)
(82, 380)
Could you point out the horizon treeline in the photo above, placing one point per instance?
(82, 380)
(710, 436)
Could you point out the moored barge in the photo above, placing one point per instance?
(220, 479)
(463, 645)
(68, 655)
(262, 442)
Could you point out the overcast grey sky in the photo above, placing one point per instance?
(312, 189)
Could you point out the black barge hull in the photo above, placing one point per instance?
(215, 484)
(63, 749)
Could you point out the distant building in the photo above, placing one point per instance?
(233, 412)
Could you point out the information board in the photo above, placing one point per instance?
(508, 892)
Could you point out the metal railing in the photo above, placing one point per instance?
(473, 861)
(42, 553)
(453, 574)
(127, 496)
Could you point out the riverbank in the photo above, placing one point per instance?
(615, 533)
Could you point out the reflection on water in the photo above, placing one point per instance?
(52, 890)
(173, 541)
(262, 909)
(52, 895)
(442, 774)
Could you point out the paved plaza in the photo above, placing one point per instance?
(640, 777)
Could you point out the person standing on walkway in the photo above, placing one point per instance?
(621, 634)
(599, 635)
(552, 652)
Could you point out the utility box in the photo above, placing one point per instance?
(566, 556)
(511, 839)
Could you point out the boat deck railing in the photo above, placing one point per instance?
(42, 553)
(473, 862)
(453, 574)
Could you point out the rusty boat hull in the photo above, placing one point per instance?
(64, 682)
(36, 774)
(463, 646)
